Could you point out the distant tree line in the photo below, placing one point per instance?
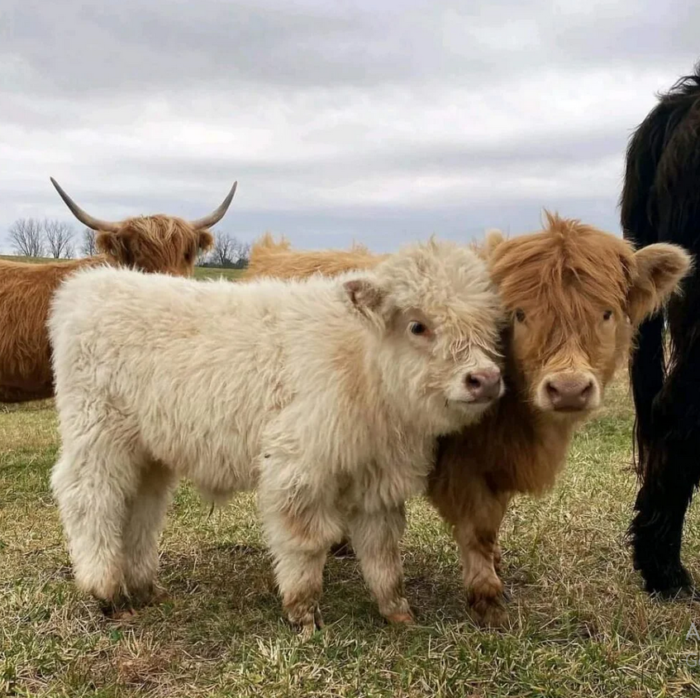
(228, 252)
(31, 237)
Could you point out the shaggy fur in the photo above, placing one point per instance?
(150, 243)
(278, 260)
(574, 294)
(661, 202)
(325, 394)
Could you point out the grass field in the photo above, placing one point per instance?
(199, 272)
(214, 272)
(579, 624)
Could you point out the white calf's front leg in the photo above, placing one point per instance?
(299, 543)
(93, 487)
(143, 525)
(300, 526)
(299, 576)
(375, 537)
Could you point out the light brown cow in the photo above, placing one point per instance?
(155, 243)
(575, 295)
(277, 259)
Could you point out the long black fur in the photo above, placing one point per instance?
(661, 203)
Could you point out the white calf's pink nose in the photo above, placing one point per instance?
(484, 385)
(570, 392)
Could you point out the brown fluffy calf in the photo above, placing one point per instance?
(575, 295)
(156, 243)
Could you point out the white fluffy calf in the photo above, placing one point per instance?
(326, 394)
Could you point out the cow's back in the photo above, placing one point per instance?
(188, 372)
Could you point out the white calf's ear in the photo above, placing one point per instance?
(367, 298)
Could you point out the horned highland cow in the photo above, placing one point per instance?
(156, 243)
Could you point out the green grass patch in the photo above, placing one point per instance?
(580, 626)
(199, 272)
(216, 273)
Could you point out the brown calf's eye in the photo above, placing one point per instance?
(607, 314)
(417, 328)
(520, 315)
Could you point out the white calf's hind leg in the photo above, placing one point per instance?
(144, 522)
(375, 538)
(92, 487)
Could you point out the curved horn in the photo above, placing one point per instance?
(85, 218)
(217, 215)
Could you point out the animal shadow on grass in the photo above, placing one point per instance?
(238, 580)
(238, 575)
(232, 585)
(434, 588)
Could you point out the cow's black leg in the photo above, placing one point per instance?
(670, 475)
(656, 533)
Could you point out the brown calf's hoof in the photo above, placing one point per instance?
(489, 612)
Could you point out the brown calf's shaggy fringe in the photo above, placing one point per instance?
(574, 294)
(157, 243)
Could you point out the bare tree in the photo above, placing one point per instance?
(228, 251)
(224, 249)
(58, 237)
(69, 252)
(243, 255)
(89, 247)
(27, 238)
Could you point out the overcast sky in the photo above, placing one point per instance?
(379, 121)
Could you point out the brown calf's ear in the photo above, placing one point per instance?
(492, 240)
(118, 245)
(367, 298)
(206, 240)
(660, 269)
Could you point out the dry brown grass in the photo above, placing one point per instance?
(580, 624)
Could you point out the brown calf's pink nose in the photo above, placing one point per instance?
(484, 385)
(571, 393)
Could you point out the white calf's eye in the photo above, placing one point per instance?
(417, 328)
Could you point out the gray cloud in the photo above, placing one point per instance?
(374, 122)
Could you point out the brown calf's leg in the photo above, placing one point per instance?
(497, 555)
(475, 512)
